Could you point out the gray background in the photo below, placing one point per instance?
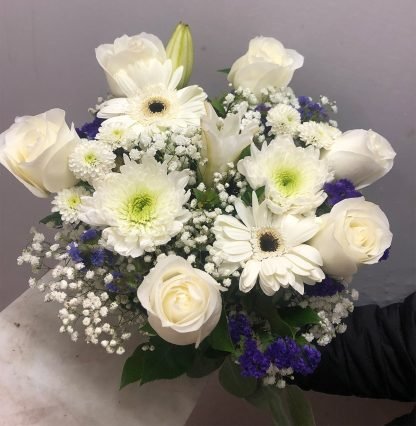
(360, 53)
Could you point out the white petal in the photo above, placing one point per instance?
(249, 275)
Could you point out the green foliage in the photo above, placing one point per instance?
(54, 218)
(205, 362)
(233, 382)
(247, 197)
(218, 104)
(299, 317)
(265, 307)
(288, 406)
(206, 199)
(323, 209)
(225, 70)
(166, 361)
(220, 338)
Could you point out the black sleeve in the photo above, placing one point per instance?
(374, 358)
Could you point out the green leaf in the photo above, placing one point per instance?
(54, 218)
(206, 199)
(204, 364)
(288, 406)
(233, 382)
(245, 152)
(166, 361)
(217, 103)
(298, 317)
(225, 70)
(147, 328)
(220, 338)
(265, 307)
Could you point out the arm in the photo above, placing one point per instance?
(375, 358)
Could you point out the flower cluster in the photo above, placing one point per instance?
(233, 225)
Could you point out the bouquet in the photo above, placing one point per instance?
(219, 233)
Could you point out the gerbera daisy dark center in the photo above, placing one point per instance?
(156, 106)
(268, 242)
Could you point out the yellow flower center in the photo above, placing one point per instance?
(140, 208)
(287, 181)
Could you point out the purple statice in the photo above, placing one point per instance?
(88, 235)
(90, 130)
(327, 287)
(310, 110)
(112, 288)
(97, 257)
(340, 190)
(239, 326)
(386, 255)
(253, 362)
(75, 253)
(286, 353)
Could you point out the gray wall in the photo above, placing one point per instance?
(359, 52)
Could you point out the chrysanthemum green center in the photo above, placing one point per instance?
(74, 201)
(287, 181)
(90, 158)
(140, 208)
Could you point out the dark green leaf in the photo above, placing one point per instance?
(166, 361)
(204, 364)
(245, 152)
(323, 209)
(54, 218)
(218, 106)
(265, 308)
(232, 380)
(207, 199)
(298, 317)
(147, 328)
(220, 338)
(225, 70)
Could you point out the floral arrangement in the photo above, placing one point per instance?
(219, 233)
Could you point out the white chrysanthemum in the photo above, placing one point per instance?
(152, 101)
(116, 134)
(91, 160)
(270, 247)
(293, 177)
(140, 208)
(320, 135)
(283, 120)
(68, 202)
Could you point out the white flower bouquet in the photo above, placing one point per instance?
(220, 233)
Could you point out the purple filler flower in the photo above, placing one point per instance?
(310, 110)
(239, 326)
(327, 287)
(340, 190)
(88, 235)
(386, 255)
(75, 253)
(253, 362)
(90, 130)
(286, 353)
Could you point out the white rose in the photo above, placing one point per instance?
(361, 156)
(222, 142)
(35, 149)
(183, 303)
(124, 52)
(354, 232)
(266, 63)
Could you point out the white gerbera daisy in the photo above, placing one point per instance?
(320, 135)
(116, 134)
(293, 177)
(283, 120)
(68, 202)
(152, 101)
(140, 208)
(91, 160)
(271, 248)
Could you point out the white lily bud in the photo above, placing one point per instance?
(180, 50)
